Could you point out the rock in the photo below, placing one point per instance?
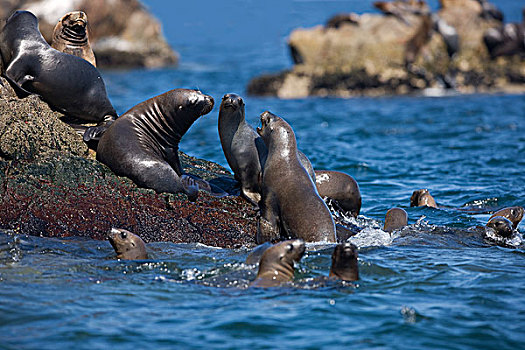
(377, 54)
(122, 32)
(51, 187)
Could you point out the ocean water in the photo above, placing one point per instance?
(441, 283)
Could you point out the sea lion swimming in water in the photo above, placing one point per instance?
(71, 36)
(344, 262)
(422, 198)
(514, 214)
(395, 219)
(67, 83)
(277, 263)
(143, 143)
(127, 245)
(290, 205)
(341, 188)
(501, 225)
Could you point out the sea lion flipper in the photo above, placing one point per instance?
(191, 188)
(172, 157)
(96, 132)
(268, 226)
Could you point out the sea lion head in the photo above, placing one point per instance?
(232, 104)
(395, 218)
(514, 214)
(421, 198)
(73, 26)
(277, 262)
(127, 245)
(501, 225)
(193, 101)
(344, 262)
(274, 130)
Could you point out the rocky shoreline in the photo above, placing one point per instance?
(51, 186)
(377, 55)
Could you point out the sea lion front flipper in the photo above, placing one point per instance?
(172, 157)
(204, 185)
(268, 226)
(191, 188)
(94, 133)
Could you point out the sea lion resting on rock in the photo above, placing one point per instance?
(71, 36)
(341, 188)
(290, 205)
(67, 83)
(514, 214)
(395, 219)
(143, 143)
(422, 198)
(244, 149)
(127, 245)
(277, 263)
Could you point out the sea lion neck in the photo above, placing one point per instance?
(282, 143)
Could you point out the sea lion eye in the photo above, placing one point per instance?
(124, 235)
(289, 247)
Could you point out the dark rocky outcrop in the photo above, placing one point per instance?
(407, 52)
(51, 186)
(122, 32)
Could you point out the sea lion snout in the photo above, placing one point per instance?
(232, 101)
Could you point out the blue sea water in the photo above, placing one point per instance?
(437, 285)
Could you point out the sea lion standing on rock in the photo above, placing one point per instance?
(501, 225)
(344, 262)
(395, 219)
(514, 214)
(67, 83)
(422, 198)
(244, 149)
(127, 245)
(277, 263)
(143, 143)
(341, 188)
(290, 205)
(71, 36)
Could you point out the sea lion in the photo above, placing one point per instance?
(341, 19)
(395, 219)
(400, 8)
(244, 149)
(514, 214)
(255, 255)
(344, 262)
(127, 245)
(290, 205)
(277, 263)
(143, 143)
(490, 11)
(341, 188)
(67, 83)
(506, 40)
(71, 36)
(422, 198)
(501, 225)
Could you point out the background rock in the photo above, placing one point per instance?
(122, 32)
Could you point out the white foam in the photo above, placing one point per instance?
(371, 237)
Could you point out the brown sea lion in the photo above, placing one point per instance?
(501, 225)
(341, 188)
(514, 214)
(127, 245)
(422, 198)
(344, 262)
(277, 263)
(143, 143)
(395, 219)
(341, 19)
(290, 205)
(71, 36)
(66, 82)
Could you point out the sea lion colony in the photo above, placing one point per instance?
(142, 145)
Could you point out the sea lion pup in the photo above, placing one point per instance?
(67, 83)
(290, 205)
(71, 36)
(244, 149)
(341, 188)
(277, 263)
(395, 219)
(344, 262)
(127, 245)
(422, 198)
(501, 225)
(514, 214)
(143, 143)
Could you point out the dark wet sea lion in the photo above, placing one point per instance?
(506, 40)
(67, 83)
(143, 143)
(341, 19)
(290, 205)
(71, 36)
(344, 262)
(514, 214)
(127, 245)
(422, 198)
(277, 263)
(395, 219)
(501, 225)
(255, 255)
(340, 187)
(244, 149)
